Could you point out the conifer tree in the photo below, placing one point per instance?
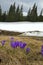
(0, 13)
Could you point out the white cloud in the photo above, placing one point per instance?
(24, 13)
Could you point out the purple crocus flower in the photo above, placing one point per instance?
(42, 46)
(13, 45)
(3, 42)
(42, 49)
(12, 39)
(27, 50)
(17, 43)
(22, 45)
(42, 52)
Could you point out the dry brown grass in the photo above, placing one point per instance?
(10, 56)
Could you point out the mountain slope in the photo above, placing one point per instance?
(18, 56)
(5, 32)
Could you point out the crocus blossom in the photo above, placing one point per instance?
(27, 50)
(12, 39)
(3, 42)
(42, 49)
(18, 44)
(13, 45)
(22, 44)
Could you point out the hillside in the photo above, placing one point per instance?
(18, 56)
(5, 32)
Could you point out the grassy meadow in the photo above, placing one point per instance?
(18, 56)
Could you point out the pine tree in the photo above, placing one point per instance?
(34, 13)
(21, 13)
(0, 13)
(40, 16)
(9, 14)
(17, 13)
(28, 15)
(4, 16)
(14, 12)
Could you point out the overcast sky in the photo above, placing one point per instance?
(5, 4)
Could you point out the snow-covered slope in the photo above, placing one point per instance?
(33, 33)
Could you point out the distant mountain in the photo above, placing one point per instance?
(5, 32)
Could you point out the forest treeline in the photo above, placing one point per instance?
(16, 14)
